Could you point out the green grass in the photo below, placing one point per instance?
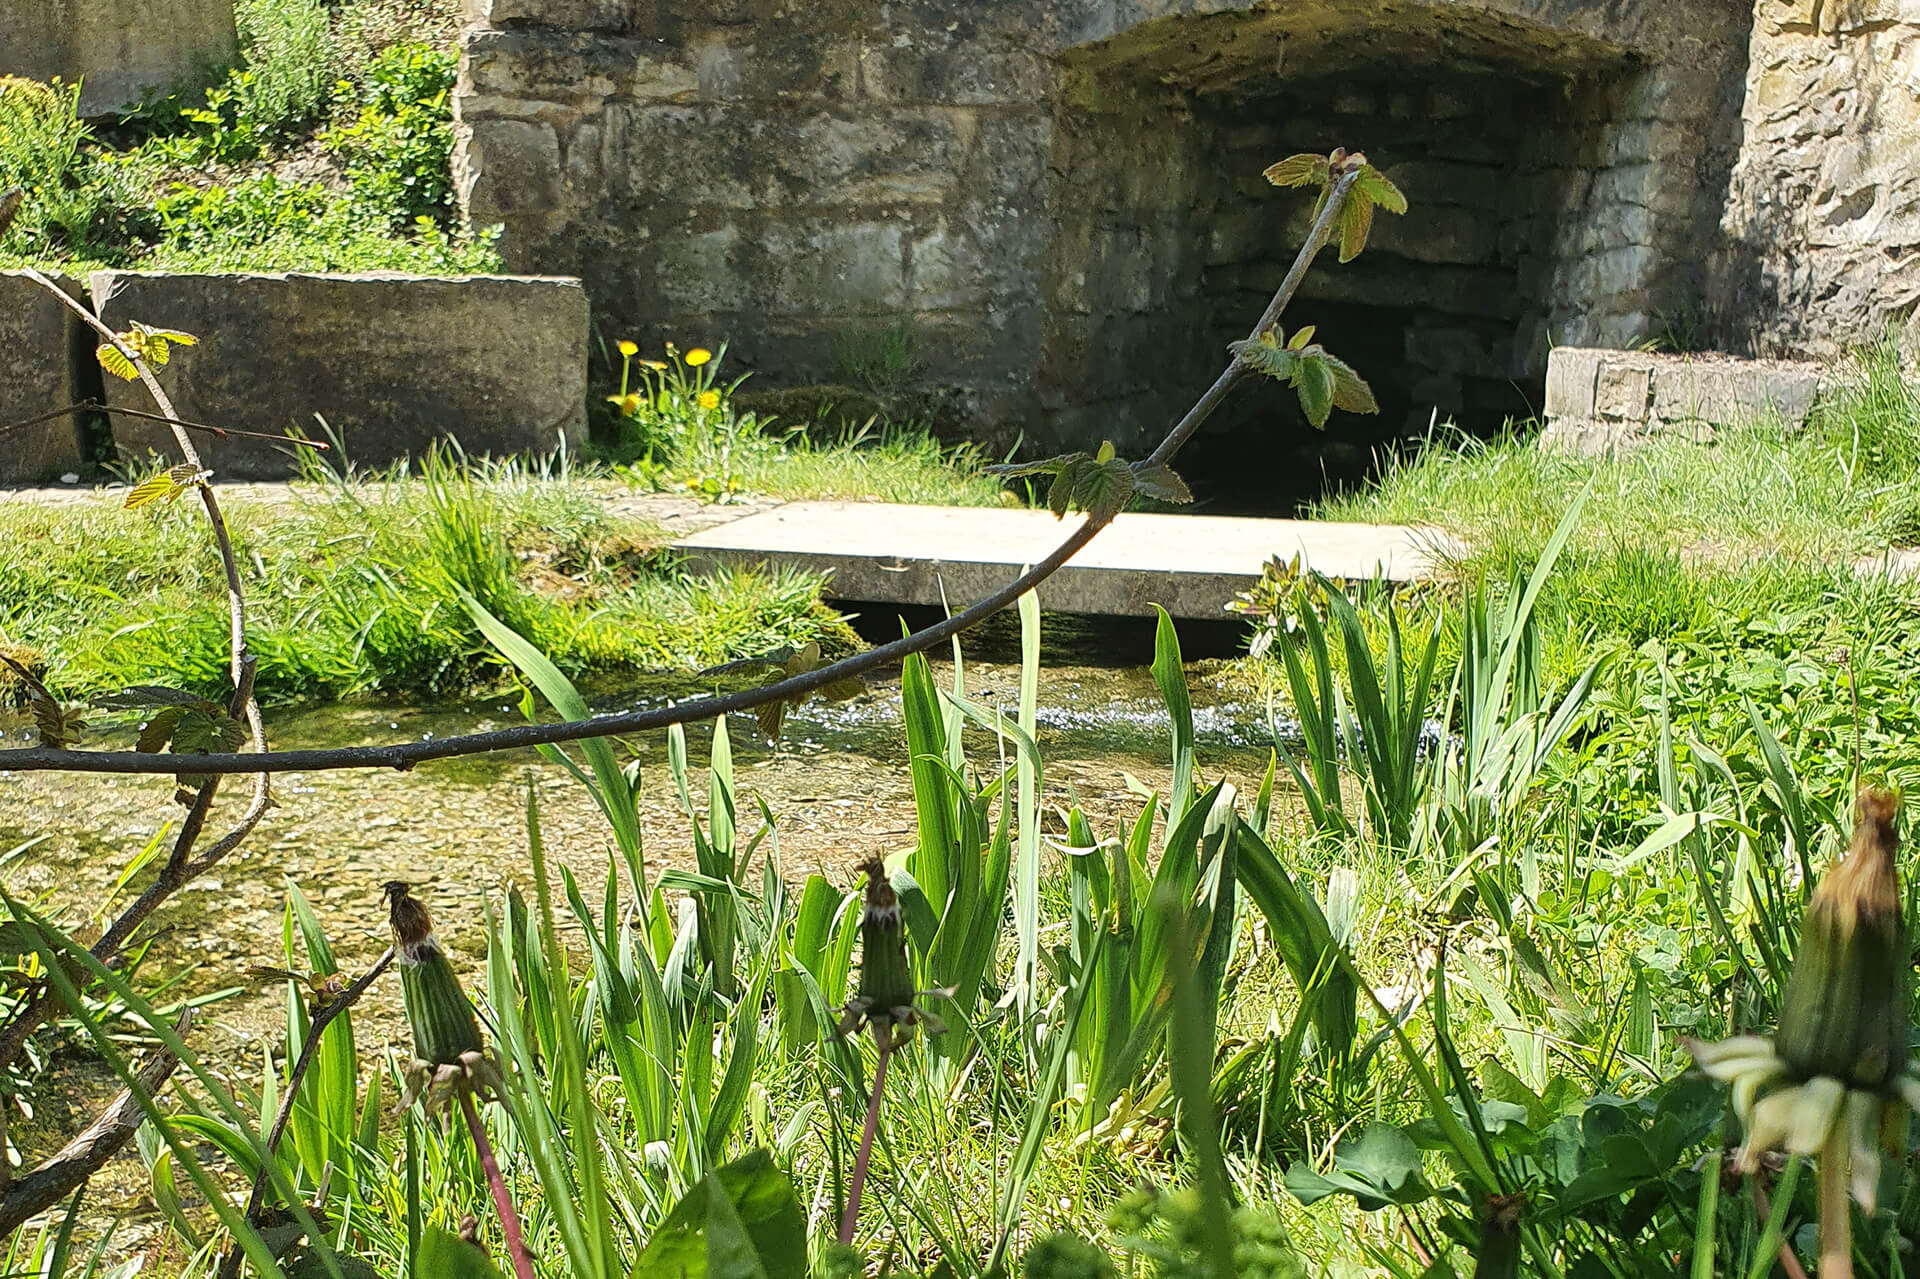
(1847, 486)
(354, 588)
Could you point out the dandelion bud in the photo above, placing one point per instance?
(1844, 1014)
(444, 1027)
(885, 980)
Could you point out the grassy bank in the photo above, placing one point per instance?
(354, 587)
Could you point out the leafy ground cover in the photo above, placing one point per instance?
(328, 148)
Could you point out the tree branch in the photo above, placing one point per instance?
(79, 1159)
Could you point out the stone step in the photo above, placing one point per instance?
(1191, 565)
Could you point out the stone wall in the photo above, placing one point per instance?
(392, 363)
(38, 344)
(117, 50)
(1062, 196)
(1825, 200)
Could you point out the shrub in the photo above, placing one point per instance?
(398, 146)
(41, 139)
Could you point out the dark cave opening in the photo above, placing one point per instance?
(1173, 242)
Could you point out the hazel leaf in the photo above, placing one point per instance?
(1350, 390)
(1356, 223)
(115, 363)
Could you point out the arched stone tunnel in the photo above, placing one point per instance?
(1062, 198)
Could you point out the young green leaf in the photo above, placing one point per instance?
(1350, 390)
(140, 697)
(1158, 480)
(1301, 336)
(115, 363)
(1356, 223)
(1375, 186)
(1314, 382)
(1045, 466)
(1298, 171)
(1102, 489)
(1265, 355)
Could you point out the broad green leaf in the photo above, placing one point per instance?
(1045, 466)
(741, 1221)
(446, 1255)
(1350, 390)
(1379, 1167)
(159, 730)
(1157, 479)
(115, 363)
(144, 696)
(1377, 187)
(1356, 223)
(1265, 355)
(1103, 488)
(152, 489)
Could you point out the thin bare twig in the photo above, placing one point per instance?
(230, 1264)
(181, 865)
(219, 432)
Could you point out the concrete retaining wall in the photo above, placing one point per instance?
(1604, 401)
(392, 363)
(37, 337)
(117, 50)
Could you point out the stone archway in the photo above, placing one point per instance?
(1061, 197)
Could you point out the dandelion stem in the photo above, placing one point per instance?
(502, 1201)
(882, 1040)
(1836, 1211)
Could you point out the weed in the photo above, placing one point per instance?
(879, 360)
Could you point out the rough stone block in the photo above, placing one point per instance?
(1572, 372)
(38, 339)
(117, 50)
(1623, 388)
(391, 362)
(1601, 401)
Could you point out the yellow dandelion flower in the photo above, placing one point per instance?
(698, 356)
(629, 349)
(708, 399)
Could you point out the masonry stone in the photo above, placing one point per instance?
(118, 51)
(391, 363)
(1065, 194)
(1604, 401)
(39, 345)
